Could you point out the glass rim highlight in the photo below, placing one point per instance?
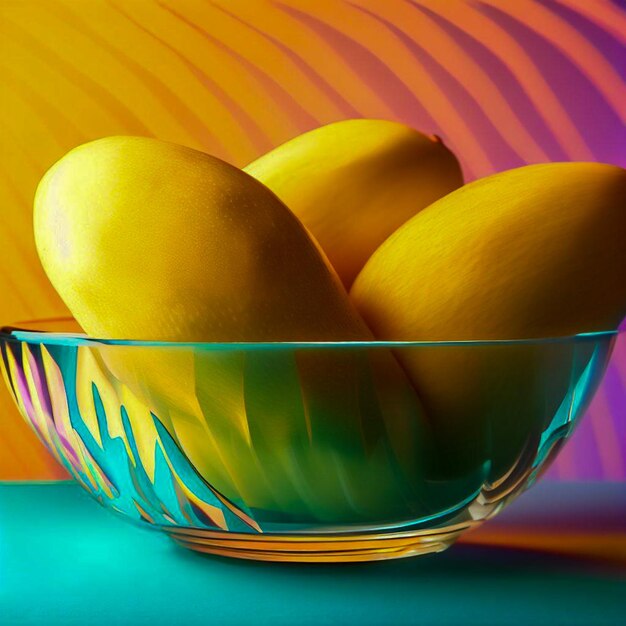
(19, 332)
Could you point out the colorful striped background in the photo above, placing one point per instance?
(504, 83)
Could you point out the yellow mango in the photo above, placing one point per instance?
(149, 240)
(534, 252)
(354, 182)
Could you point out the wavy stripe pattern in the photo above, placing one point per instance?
(503, 83)
(103, 453)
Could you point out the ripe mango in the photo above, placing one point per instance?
(354, 182)
(149, 240)
(539, 251)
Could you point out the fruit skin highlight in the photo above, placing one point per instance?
(352, 183)
(150, 240)
(534, 252)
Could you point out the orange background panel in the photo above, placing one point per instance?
(503, 83)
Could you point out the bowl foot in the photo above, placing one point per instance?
(320, 548)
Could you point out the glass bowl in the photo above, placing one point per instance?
(302, 451)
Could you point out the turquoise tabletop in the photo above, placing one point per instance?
(64, 560)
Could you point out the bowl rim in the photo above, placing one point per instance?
(18, 332)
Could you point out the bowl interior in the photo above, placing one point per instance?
(306, 438)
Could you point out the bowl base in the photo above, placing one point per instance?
(320, 548)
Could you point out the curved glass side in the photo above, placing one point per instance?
(304, 439)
